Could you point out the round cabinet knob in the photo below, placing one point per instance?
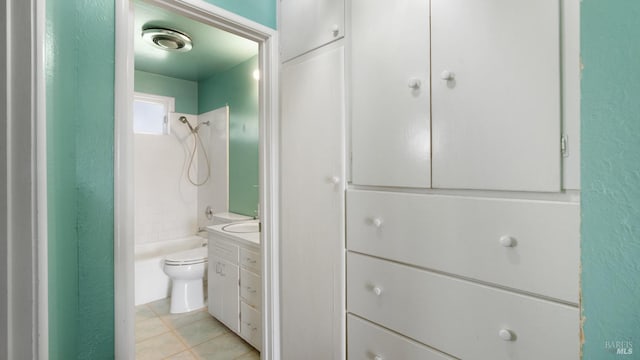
(414, 83)
(447, 75)
(377, 222)
(507, 241)
(335, 30)
(378, 357)
(334, 180)
(506, 335)
(377, 290)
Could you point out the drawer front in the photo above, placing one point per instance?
(224, 250)
(368, 341)
(460, 318)
(250, 288)
(250, 260)
(251, 325)
(523, 244)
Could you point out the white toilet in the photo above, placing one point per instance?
(186, 270)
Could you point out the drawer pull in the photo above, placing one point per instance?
(377, 290)
(507, 241)
(249, 289)
(250, 261)
(506, 335)
(377, 222)
(378, 357)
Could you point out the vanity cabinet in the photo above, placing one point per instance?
(308, 24)
(493, 118)
(223, 294)
(234, 290)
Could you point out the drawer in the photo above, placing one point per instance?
(471, 237)
(251, 325)
(224, 250)
(250, 260)
(250, 285)
(367, 341)
(460, 318)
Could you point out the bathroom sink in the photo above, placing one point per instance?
(244, 227)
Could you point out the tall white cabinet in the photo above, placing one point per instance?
(312, 206)
(462, 203)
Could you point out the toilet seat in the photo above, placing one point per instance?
(187, 257)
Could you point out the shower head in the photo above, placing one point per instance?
(184, 120)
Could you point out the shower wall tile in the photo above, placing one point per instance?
(165, 202)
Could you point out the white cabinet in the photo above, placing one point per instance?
(312, 206)
(309, 24)
(493, 118)
(496, 94)
(390, 83)
(223, 292)
(235, 287)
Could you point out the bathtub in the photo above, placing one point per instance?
(151, 283)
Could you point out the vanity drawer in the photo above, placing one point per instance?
(250, 288)
(251, 325)
(224, 250)
(458, 317)
(250, 260)
(523, 244)
(366, 341)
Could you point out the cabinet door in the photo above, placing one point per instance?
(215, 287)
(496, 94)
(312, 206)
(309, 24)
(389, 73)
(230, 299)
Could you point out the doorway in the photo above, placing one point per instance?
(266, 182)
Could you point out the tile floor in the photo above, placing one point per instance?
(193, 335)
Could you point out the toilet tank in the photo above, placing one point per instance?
(228, 217)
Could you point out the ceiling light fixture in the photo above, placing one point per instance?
(167, 39)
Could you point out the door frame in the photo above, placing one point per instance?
(267, 39)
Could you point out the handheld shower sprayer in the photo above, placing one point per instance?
(196, 140)
(183, 119)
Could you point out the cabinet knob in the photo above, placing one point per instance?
(447, 75)
(333, 180)
(414, 83)
(506, 335)
(335, 30)
(377, 222)
(378, 357)
(507, 241)
(377, 290)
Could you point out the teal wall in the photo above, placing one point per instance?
(610, 176)
(184, 91)
(80, 58)
(62, 115)
(239, 89)
(80, 75)
(263, 12)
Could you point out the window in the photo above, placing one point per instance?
(150, 113)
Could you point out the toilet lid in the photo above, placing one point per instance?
(192, 256)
